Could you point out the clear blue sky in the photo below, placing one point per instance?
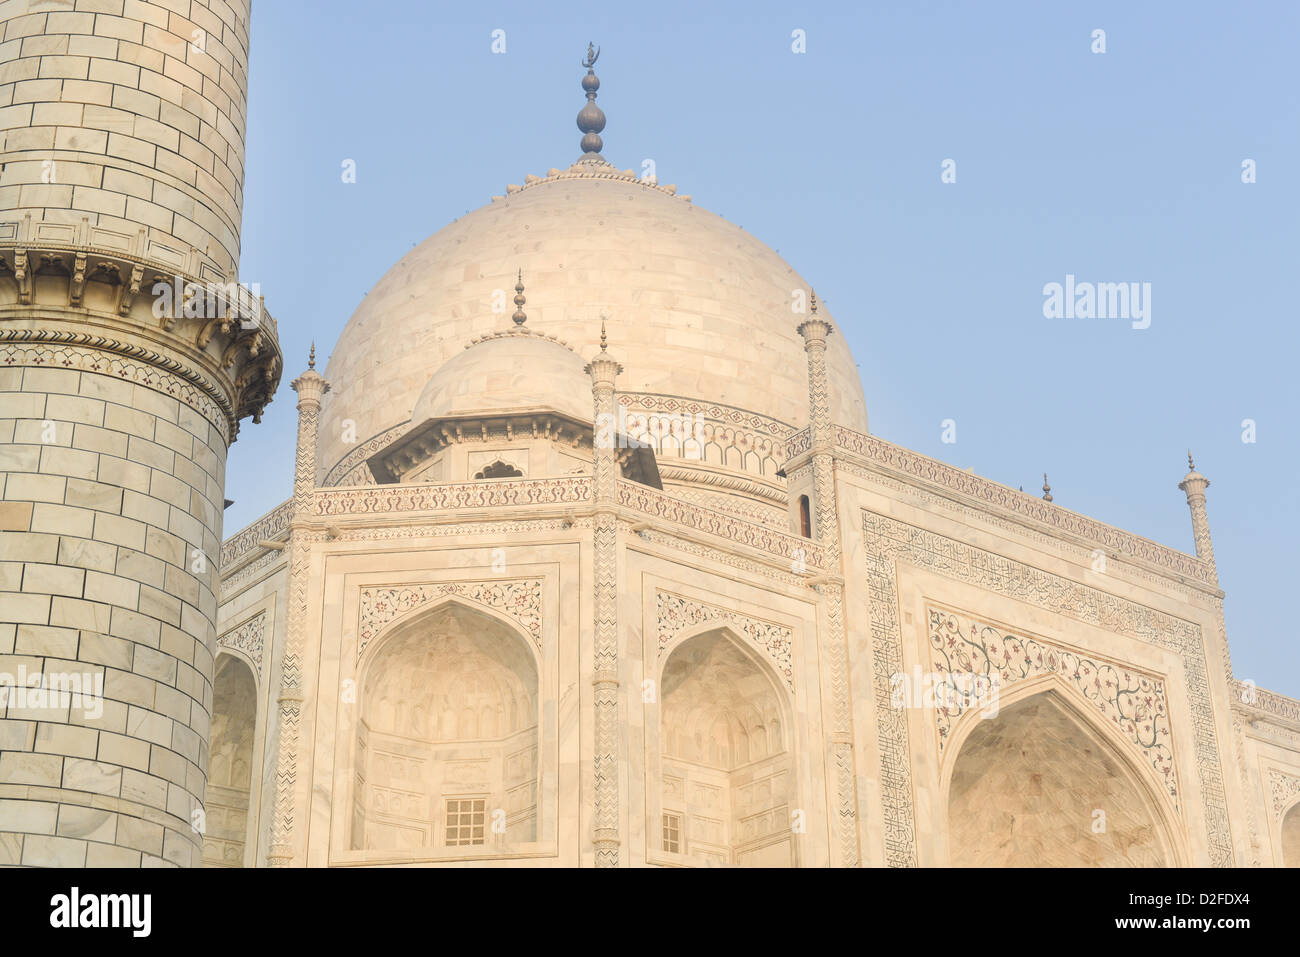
(1122, 166)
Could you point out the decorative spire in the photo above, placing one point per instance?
(1047, 489)
(311, 357)
(520, 317)
(1194, 485)
(591, 119)
(813, 298)
(603, 341)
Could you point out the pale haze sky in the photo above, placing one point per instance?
(1117, 167)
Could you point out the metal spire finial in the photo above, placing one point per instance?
(591, 119)
(603, 341)
(1191, 466)
(1047, 489)
(520, 317)
(311, 357)
(813, 298)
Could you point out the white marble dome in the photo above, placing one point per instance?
(697, 308)
(508, 373)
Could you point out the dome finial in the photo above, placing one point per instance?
(311, 356)
(1191, 466)
(813, 298)
(520, 317)
(1047, 489)
(591, 119)
(603, 341)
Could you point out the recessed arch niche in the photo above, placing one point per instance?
(447, 743)
(1291, 837)
(1040, 785)
(230, 765)
(726, 763)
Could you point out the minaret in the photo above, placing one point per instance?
(1194, 485)
(815, 330)
(604, 679)
(129, 353)
(310, 386)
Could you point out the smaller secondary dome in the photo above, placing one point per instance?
(509, 372)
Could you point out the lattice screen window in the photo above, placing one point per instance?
(673, 833)
(465, 820)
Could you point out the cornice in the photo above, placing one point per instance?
(939, 478)
(67, 294)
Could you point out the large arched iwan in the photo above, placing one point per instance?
(447, 745)
(1041, 785)
(726, 763)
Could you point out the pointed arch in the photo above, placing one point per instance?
(447, 742)
(1289, 831)
(1044, 782)
(726, 765)
(761, 656)
(226, 837)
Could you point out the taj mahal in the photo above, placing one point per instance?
(603, 567)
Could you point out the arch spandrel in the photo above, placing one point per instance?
(385, 609)
(681, 618)
(1132, 702)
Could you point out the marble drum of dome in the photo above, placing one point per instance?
(700, 313)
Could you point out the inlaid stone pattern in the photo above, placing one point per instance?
(676, 613)
(1131, 700)
(468, 495)
(247, 638)
(1282, 788)
(520, 599)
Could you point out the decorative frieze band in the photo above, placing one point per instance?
(954, 479)
(711, 411)
(121, 360)
(248, 638)
(801, 552)
(1269, 702)
(432, 498)
(271, 526)
(676, 613)
(1131, 700)
(341, 469)
(519, 599)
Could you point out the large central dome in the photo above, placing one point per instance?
(697, 308)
